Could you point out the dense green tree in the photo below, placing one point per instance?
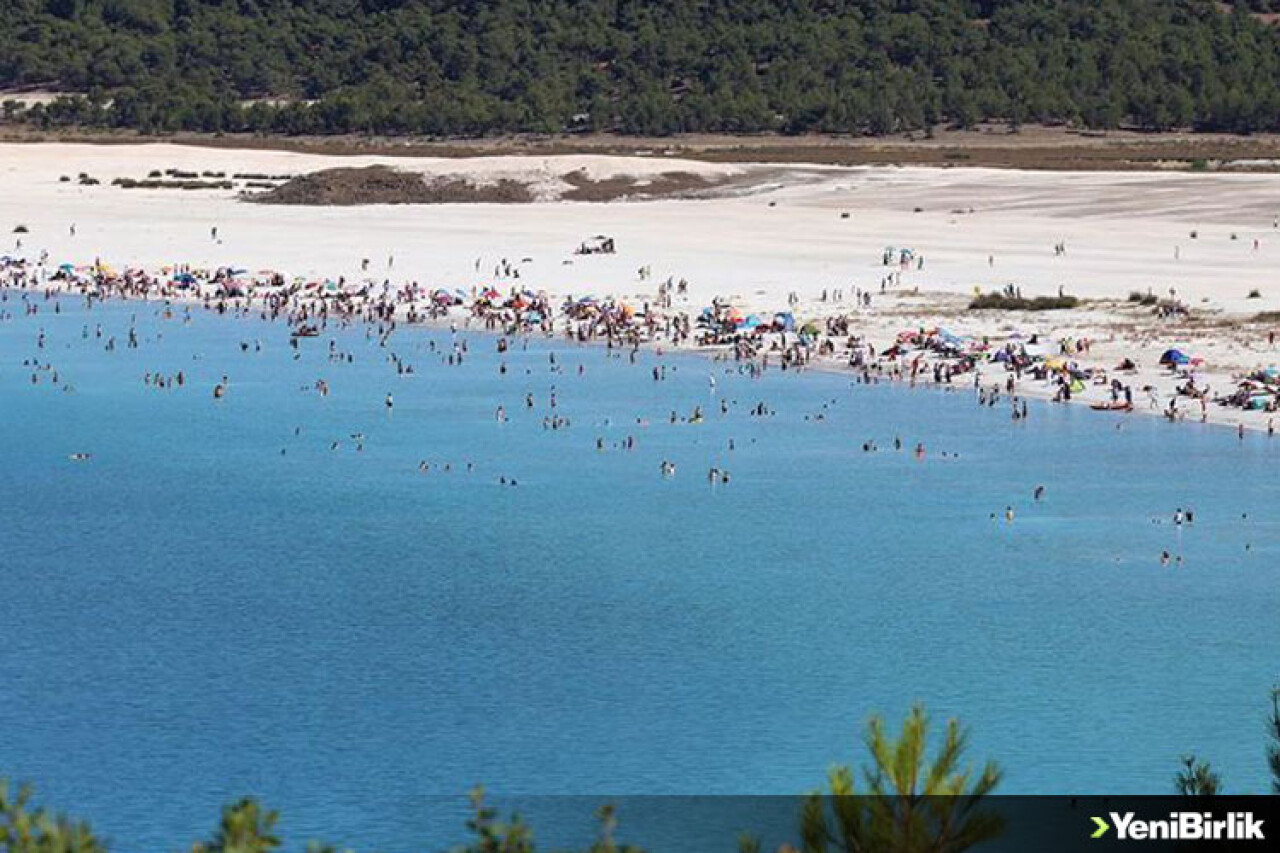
(911, 803)
(1197, 778)
(245, 828)
(24, 829)
(446, 67)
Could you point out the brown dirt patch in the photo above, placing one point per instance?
(666, 185)
(992, 145)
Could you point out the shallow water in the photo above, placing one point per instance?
(191, 616)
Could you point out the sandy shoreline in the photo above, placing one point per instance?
(774, 234)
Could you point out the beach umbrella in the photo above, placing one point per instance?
(66, 267)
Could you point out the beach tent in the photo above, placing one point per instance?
(950, 339)
(1174, 356)
(751, 322)
(785, 321)
(1259, 400)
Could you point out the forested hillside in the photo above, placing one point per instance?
(476, 67)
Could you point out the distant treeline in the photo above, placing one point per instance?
(476, 67)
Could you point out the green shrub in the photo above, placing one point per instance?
(1000, 302)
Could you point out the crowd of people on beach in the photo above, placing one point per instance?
(995, 370)
(936, 355)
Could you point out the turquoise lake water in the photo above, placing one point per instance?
(191, 616)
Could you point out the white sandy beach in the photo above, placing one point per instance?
(774, 231)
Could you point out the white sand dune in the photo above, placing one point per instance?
(1121, 229)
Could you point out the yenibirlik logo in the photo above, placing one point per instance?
(1183, 826)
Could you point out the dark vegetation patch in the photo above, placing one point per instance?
(1000, 302)
(666, 185)
(384, 185)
